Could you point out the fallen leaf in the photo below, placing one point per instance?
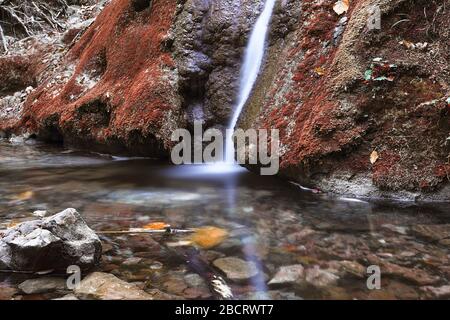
(373, 157)
(341, 6)
(208, 237)
(27, 195)
(407, 44)
(320, 71)
(156, 226)
(12, 224)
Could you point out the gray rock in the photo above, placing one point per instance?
(51, 243)
(320, 278)
(437, 292)
(67, 297)
(194, 280)
(104, 286)
(288, 274)
(236, 269)
(43, 285)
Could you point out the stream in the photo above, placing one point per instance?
(271, 223)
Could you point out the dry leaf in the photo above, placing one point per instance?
(341, 6)
(156, 226)
(12, 224)
(374, 157)
(407, 44)
(208, 237)
(320, 71)
(27, 195)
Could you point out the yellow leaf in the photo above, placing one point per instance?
(208, 237)
(373, 157)
(341, 6)
(156, 226)
(320, 71)
(27, 195)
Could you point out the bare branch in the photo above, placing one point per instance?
(3, 40)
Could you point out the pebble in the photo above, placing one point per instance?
(236, 269)
(437, 292)
(320, 278)
(288, 274)
(104, 286)
(43, 285)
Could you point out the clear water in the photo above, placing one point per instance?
(271, 223)
(254, 54)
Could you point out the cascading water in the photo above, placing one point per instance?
(254, 55)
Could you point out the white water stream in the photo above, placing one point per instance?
(254, 55)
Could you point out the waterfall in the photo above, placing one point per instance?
(254, 54)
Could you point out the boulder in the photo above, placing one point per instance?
(53, 243)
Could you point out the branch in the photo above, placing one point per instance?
(3, 40)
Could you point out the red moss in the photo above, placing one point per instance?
(123, 49)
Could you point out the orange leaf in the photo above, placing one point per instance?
(27, 195)
(156, 226)
(208, 237)
(320, 71)
(374, 157)
(341, 6)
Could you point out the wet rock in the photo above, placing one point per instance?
(104, 286)
(432, 232)
(43, 285)
(353, 268)
(194, 280)
(175, 285)
(414, 275)
(7, 292)
(437, 292)
(288, 274)
(236, 269)
(159, 295)
(132, 262)
(67, 297)
(270, 295)
(319, 277)
(52, 243)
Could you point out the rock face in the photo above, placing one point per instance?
(140, 71)
(338, 91)
(53, 243)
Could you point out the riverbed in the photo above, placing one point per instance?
(270, 223)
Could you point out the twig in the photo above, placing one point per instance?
(43, 15)
(3, 40)
(400, 21)
(141, 231)
(11, 11)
